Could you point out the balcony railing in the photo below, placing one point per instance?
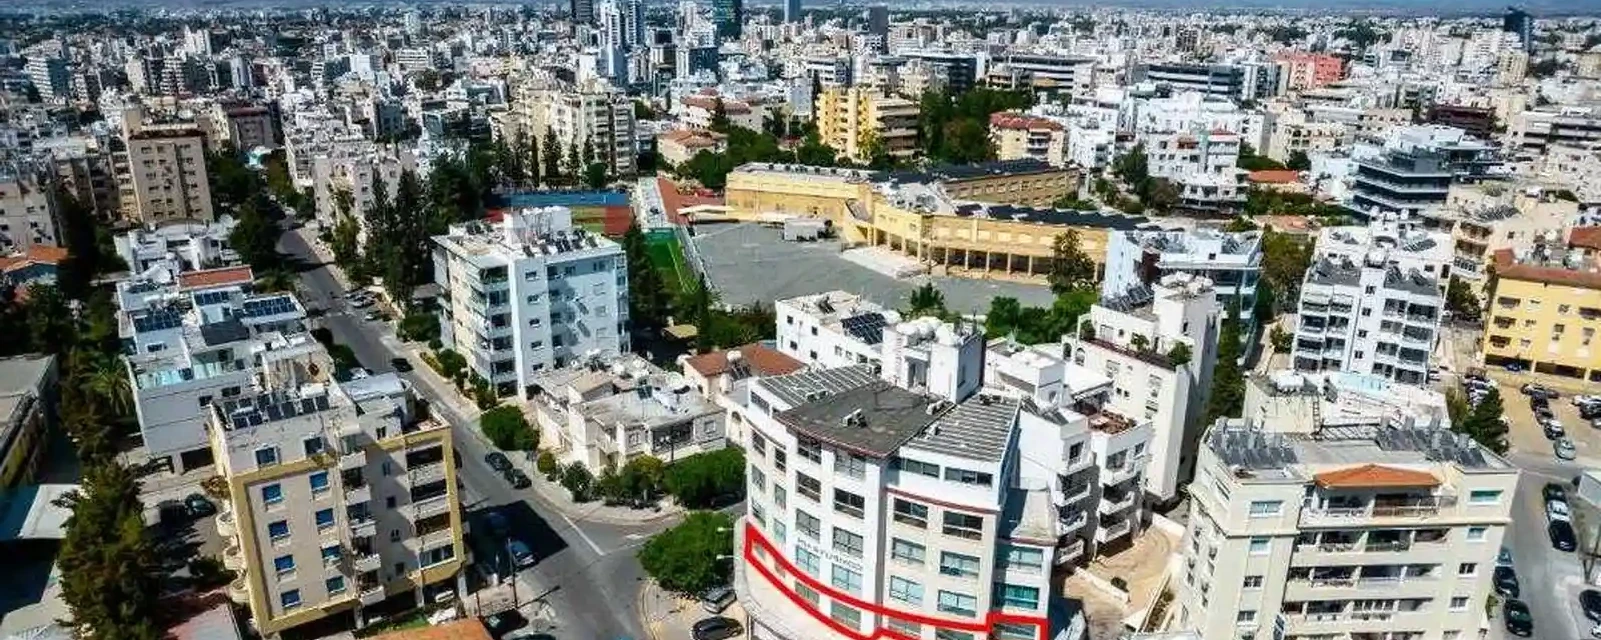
(430, 507)
(355, 459)
(1073, 551)
(1113, 531)
(366, 561)
(1420, 508)
(358, 493)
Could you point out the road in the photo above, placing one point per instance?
(1550, 579)
(586, 571)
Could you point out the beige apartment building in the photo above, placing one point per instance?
(161, 171)
(1018, 136)
(28, 211)
(849, 119)
(1362, 532)
(593, 113)
(338, 501)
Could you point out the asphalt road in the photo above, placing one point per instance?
(1550, 580)
(586, 572)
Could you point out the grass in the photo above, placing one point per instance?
(668, 256)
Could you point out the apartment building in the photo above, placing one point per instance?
(1310, 70)
(1413, 173)
(1486, 217)
(1232, 261)
(353, 171)
(925, 533)
(29, 211)
(832, 329)
(1187, 111)
(1545, 307)
(529, 293)
(591, 113)
(724, 377)
(1355, 532)
(1531, 132)
(337, 501)
(1015, 71)
(853, 119)
(1306, 402)
(1018, 136)
(608, 411)
(1157, 345)
(697, 111)
(1202, 165)
(313, 133)
(83, 167)
(1372, 301)
(161, 172)
(30, 397)
(177, 246)
(51, 76)
(1293, 131)
(247, 126)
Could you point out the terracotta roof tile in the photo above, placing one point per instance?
(49, 254)
(1373, 476)
(1007, 120)
(1508, 268)
(1585, 237)
(216, 277)
(470, 629)
(1274, 176)
(762, 361)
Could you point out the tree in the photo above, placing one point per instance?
(1179, 355)
(1298, 161)
(255, 237)
(1228, 381)
(707, 479)
(1484, 423)
(110, 570)
(692, 557)
(926, 300)
(50, 324)
(551, 166)
(1285, 260)
(595, 175)
(1071, 268)
(451, 364)
(1003, 317)
(647, 294)
(575, 162)
(1280, 339)
(1139, 342)
(419, 326)
(507, 429)
(578, 481)
(546, 465)
(719, 121)
(642, 478)
(1461, 301)
(1160, 194)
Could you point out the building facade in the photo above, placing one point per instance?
(853, 120)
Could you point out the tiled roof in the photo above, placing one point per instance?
(760, 359)
(1274, 176)
(1585, 237)
(470, 629)
(1508, 268)
(216, 277)
(1006, 120)
(1373, 476)
(709, 103)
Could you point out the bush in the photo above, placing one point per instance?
(704, 480)
(509, 430)
(578, 481)
(693, 556)
(208, 573)
(436, 344)
(546, 465)
(419, 326)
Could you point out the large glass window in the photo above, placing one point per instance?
(807, 523)
(1018, 596)
(958, 603)
(964, 525)
(959, 565)
(847, 542)
(908, 552)
(911, 513)
(849, 503)
(905, 590)
(847, 579)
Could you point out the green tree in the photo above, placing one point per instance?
(110, 569)
(1160, 195)
(1285, 259)
(1179, 355)
(255, 238)
(546, 465)
(1298, 161)
(595, 175)
(1071, 268)
(719, 121)
(642, 478)
(1461, 301)
(1003, 317)
(647, 294)
(693, 556)
(50, 323)
(926, 300)
(451, 364)
(707, 479)
(578, 481)
(507, 429)
(1484, 423)
(1227, 396)
(551, 166)
(1280, 339)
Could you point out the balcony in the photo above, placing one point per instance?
(1072, 551)
(429, 507)
(1413, 509)
(358, 493)
(423, 474)
(1076, 495)
(1113, 476)
(1070, 521)
(365, 561)
(239, 589)
(353, 460)
(371, 594)
(363, 526)
(1113, 531)
(1351, 622)
(1351, 587)
(233, 557)
(225, 524)
(1111, 504)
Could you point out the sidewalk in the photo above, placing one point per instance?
(595, 510)
(666, 616)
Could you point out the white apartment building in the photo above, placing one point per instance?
(1382, 531)
(355, 169)
(1139, 340)
(1304, 403)
(1202, 165)
(1232, 261)
(1371, 302)
(1194, 111)
(1091, 147)
(593, 112)
(529, 293)
(832, 329)
(178, 246)
(874, 507)
(609, 411)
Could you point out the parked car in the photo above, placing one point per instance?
(1504, 558)
(521, 556)
(1558, 511)
(1554, 492)
(1590, 602)
(716, 629)
(1513, 367)
(501, 624)
(517, 479)
(1543, 414)
(1581, 400)
(372, 315)
(1553, 429)
(1506, 582)
(1518, 620)
(716, 599)
(1564, 449)
(497, 461)
(1590, 411)
(400, 364)
(1534, 390)
(198, 506)
(1561, 534)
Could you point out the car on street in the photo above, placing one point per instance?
(718, 628)
(521, 556)
(501, 624)
(1553, 429)
(1518, 620)
(1590, 411)
(198, 506)
(517, 479)
(716, 599)
(1558, 511)
(1504, 558)
(361, 303)
(1581, 400)
(1553, 492)
(1561, 534)
(497, 461)
(1534, 390)
(1513, 367)
(1590, 602)
(1564, 449)
(400, 364)
(1506, 582)
(371, 316)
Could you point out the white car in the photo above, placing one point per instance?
(1579, 401)
(1555, 510)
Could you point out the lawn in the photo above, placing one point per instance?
(668, 256)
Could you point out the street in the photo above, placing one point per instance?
(1550, 579)
(586, 571)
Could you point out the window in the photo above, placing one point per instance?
(917, 467)
(911, 513)
(780, 497)
(1266, 508)
(319, 482)
(1467, 569)
(959, 565)
(1247, 616)
(1016, 631)
(1252, 582)
(1259, 546)
(325, 519)
(912, 629)
(284, 565)
(1024, 560)
(278, 531)
(958, 603)
(847, 542)
(1476, 534)
(272, 494)
(808, 487)
(807, 561)
(806, 593)
(335, 585)
(780, 460)
(330, 554)
(810, 449)
(850, 464)
(313, 446)
(290, 599)
(905, 590)
(966, 476)
(847, 579)
(807, 523)
(908, 552)
(758, 444)
(266, 456)
(845, 615)
(1459, 603)
(436, 555)
(1484, 496)
(757, 514)
(780, 530)
(758, 480)
(963, 525)
(1018, 596)
(848, 503)
(947, 634)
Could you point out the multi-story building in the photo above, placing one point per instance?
(83, 168)
(29, 403)
(724, 378)
(1294, 132)
(1201, 165)
(610, 411)
(29, 211)
(161, 172)
(338, 499)
(345, 180)
(1341, 532)
(1310, 70)
(854, 120)
(1531, 132)
(1220, 80)
(729, 17)
(1307, 402)
(248, 126)
(1545, 307)
(1232, 261)
(1020, 136)
(1486, 217)
(52, 77)
(592, 114)
(1416, 168)
(178, 246)
(1026, 182)
(1070, 74)
(529, 293)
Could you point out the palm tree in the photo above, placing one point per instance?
(107, 379)
(926, 300)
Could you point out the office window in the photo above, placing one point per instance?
(1025, 560)
(908, 552)
(847, 542)
(807, 561)
(959, 565)
(1266, 508)
(780, 497)
(963, 525)
(911, 513)
(278, 531)
(325, 519)
(958, 603)
(917, 467)
(1015, 631)
(313, 446)
(806, 593)
(847, 579)
(272, 494)
(848, 503)
(758, 480)
(1252, 582)
(1467, 569)
(330, 554)
(966, 476)
(810, 449)
(850, 464)
(284, 565)
(335, 585)
(780, 530)
(266, 456)
(780, 460)
(319, 482)
(905, 590)
(290, 599)
(1259, 546)
(845, 615)
(1019, 596)
(1484, 496)
(1247, 616)
(1476, 534)
(906, 627)
(808, 487)
(807, 523)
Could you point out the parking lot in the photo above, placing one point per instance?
(1527, 436)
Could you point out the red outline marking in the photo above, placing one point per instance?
(754, 536)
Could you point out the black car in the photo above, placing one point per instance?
(1554, 431)
(505, 622)
(1506, 582)
(1590, 602)
(1554, 492)
(1561, 534)
(716, 629)
(497, 461)
(517, 478)
(400, 364)
(1518, 620)
(198, 506)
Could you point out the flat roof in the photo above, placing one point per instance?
(794, 388)
(979, 428)
(889, 417)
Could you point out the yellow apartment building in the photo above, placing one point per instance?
(1545, 314)
(848, 119)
